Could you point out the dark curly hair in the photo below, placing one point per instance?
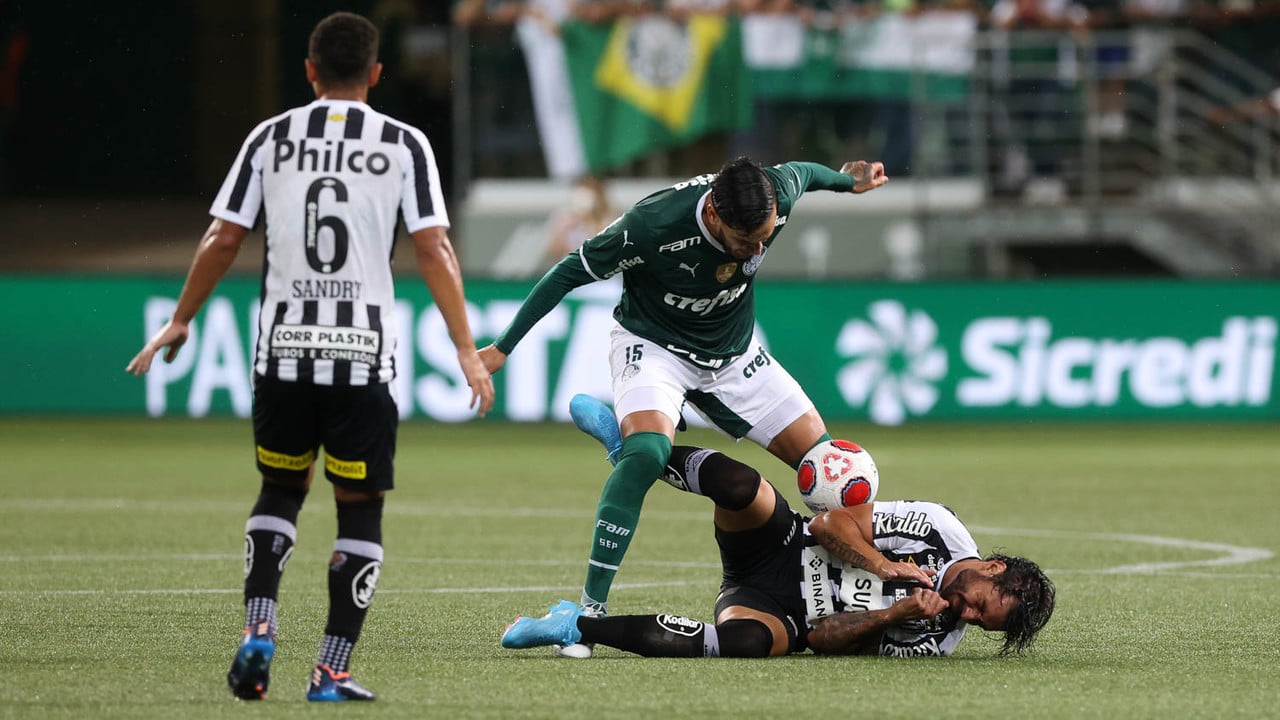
(743, 195)
(344, 49)
(1024, 581)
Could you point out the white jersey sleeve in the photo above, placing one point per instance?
(240, 198)
(422, 203)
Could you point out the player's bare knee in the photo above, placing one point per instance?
(343, 495)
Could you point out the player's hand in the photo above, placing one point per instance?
(171, 336)
(493, 358)
(921, 604)
(479, 380)
(908, 571)
(866, 175)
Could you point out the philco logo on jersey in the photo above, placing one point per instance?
(913, 523)
(704, 306)
(679, 245)
(332, 157)
(624, 265)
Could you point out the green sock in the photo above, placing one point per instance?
(825, 437)
(644, 456)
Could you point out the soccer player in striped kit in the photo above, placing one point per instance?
(332, 178)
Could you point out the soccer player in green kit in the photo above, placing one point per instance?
(688, 256)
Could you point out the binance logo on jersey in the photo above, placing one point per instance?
(329, 157)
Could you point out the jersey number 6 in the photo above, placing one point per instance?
(315, 223)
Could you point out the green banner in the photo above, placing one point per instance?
(893, 56)
(886, 352)
(649, 83)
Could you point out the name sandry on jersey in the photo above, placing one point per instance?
(333, 177)
(925, 534)
(680, 287)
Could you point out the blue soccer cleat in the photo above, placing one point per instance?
(595, 418)
(251, 670)
(330, 686)
(557, 627)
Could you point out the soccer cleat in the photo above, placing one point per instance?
(581, 650)
(595, 418)
(250, 672)
(330, 686)
(557, 627)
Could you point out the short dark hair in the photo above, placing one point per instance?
(1024, 581)
(344, 48)
(743, 195)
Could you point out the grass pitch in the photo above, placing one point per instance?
(120, 546)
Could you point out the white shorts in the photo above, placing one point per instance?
(752, 397)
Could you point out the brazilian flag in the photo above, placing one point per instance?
(651, 83)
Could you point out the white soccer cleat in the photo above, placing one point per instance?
(576, 651)
(581, 651)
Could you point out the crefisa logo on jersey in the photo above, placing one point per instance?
(329, 158)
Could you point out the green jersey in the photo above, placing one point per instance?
(681, 289)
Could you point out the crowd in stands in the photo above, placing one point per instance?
(1248, 28)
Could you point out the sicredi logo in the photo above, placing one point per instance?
(1017, 360)
(896, 365)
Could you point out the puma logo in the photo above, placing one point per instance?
(691, 270)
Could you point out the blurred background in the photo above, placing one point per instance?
(1100, 176)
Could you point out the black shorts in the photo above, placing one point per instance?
(762, 571)
(355, 425)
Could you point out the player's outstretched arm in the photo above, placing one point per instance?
(218, 249)
(438, 265)
(866, 175)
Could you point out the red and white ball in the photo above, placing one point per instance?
(836, 474)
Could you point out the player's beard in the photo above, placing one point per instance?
(962, 582)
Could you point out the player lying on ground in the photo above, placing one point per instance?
(899, 578)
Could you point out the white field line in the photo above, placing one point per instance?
(1227, 554)
(1230, 554)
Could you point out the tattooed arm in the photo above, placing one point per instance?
(848, 534)
(858, 633)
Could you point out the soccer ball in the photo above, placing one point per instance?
(836, 474)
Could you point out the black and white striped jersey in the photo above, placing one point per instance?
(925, 534)
(334, 177)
